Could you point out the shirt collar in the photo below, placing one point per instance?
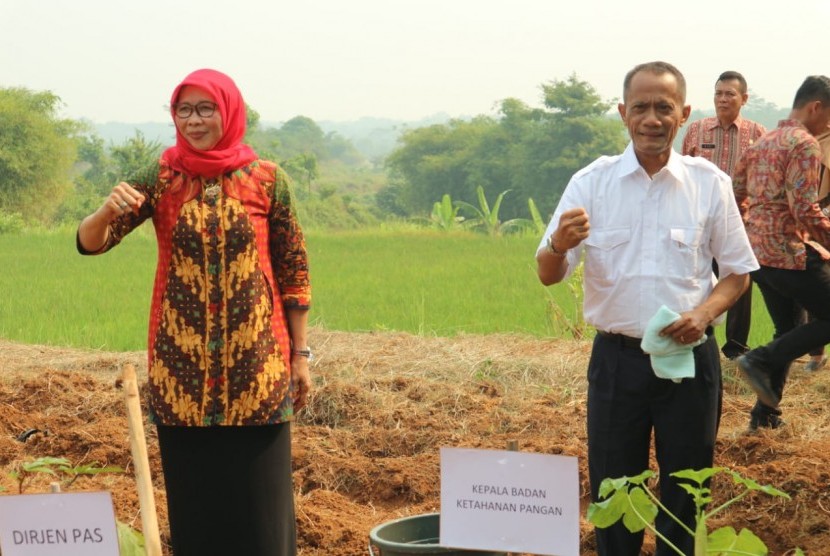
(791, 123)
(714, 122)
(630, 164)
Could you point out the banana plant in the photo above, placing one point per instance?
(445, 214)
(539, 225)
(486, 218)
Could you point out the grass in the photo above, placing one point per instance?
(52, 295)
(428, 283)
(423, 282)
(420, 282)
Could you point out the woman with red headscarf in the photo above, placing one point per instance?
(227, 352)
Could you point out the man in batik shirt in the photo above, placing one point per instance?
(776, 185)
(722, 139)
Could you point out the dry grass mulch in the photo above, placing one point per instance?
(366, 449)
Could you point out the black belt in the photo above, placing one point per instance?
(630, 342)
(622, 340)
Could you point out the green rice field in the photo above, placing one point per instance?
(422, 282)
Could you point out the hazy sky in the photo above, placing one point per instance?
(111, 60)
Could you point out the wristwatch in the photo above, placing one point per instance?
(553, 250)
(304, 352)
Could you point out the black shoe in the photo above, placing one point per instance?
(765, 422)
(732, 349)
(759, 381)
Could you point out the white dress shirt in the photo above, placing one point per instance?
(652, 240)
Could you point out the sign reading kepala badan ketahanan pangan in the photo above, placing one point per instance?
(508, 501)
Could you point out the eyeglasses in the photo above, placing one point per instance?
(203, 109)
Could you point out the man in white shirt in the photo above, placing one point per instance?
(649, 222)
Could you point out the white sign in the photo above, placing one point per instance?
(65, 524)
(509, 501)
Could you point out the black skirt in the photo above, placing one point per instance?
(229, 490)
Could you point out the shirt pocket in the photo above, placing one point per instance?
(684, 252)
(601, 253)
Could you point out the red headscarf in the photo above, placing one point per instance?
(229, 153)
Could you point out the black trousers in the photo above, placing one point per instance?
(804, 317)
(229, 490)
(785, 291)
(738, 322)
(626, 404)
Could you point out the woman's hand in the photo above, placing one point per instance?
(93, 232)
(300, 380)
(122, 199)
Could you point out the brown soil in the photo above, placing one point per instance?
(366, 450)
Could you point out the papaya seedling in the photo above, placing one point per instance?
(631, 500)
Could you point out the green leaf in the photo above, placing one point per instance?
(753, 485)
(31, 468)
(445, 214)
(608, 512)
(130, 541)
(482, 202)
(93, 470)
(726, 540)
(702, 496)
(641, 478)
(538, 223)
(609, 485)
(641, 511)
(46, 461)
(698, 476)
(722, 539)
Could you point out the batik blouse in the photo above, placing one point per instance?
(231, 260)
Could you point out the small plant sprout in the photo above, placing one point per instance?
(629, 499)
(24, 471)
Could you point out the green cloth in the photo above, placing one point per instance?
(669, 359)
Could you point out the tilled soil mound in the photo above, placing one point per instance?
(366, 450)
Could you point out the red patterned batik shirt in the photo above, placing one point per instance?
(231, 260)
(776, 186)
(723, 147)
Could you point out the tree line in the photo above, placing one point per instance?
(56, 170)
(532, 152)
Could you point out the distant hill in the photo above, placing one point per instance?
(373, 137)
(377, 137)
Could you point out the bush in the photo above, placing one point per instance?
(11, 222)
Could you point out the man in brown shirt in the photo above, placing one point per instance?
(722, 139)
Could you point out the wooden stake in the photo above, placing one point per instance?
(138, 445)
(512, 446)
